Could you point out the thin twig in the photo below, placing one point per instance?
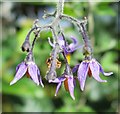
(72, 19)
(41, 28)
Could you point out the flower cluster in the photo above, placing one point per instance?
(88, 67)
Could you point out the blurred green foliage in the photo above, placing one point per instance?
(24, 96)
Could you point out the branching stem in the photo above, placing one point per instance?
(54, 26)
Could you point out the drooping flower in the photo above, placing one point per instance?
(29, 68)
(91, 68)
(68, 48)
(68, 84)
(68, 79)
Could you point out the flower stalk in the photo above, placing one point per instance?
(60, 7)
(51, 73)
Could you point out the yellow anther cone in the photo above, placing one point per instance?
(68, 57)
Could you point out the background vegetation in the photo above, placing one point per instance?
(24, 96)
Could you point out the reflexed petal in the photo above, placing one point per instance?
(72, 48)
(66, 50)
(80, 47)
(61, 41)
(58, 87)
(32, 70)
(94, 67)
(82, 74)
(21, 70)
(104, 73)
(73, 44)
(75, 68)
(39, 78)
(75, 41)
(71, 86)
(58, 80)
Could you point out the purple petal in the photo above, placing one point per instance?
(94, 67)
(61, 41)
(21, 70)
(66, 50)
(82, 74)
(73, 44)
(58, 80)
(58, 87)
(19, 66)
(75, 41)
(75, 68)
(39, 78)
(102, 71)
(32, 70)
(78, 47)
(71, 48)
(71, 86)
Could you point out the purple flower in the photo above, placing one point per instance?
(29, 68)
(68, 84)
(68, 48)
(92, 68)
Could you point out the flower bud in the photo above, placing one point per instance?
(26, 46)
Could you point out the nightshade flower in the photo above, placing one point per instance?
(29, 68)
(92, 68)
(69, 84)
(68, 48)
